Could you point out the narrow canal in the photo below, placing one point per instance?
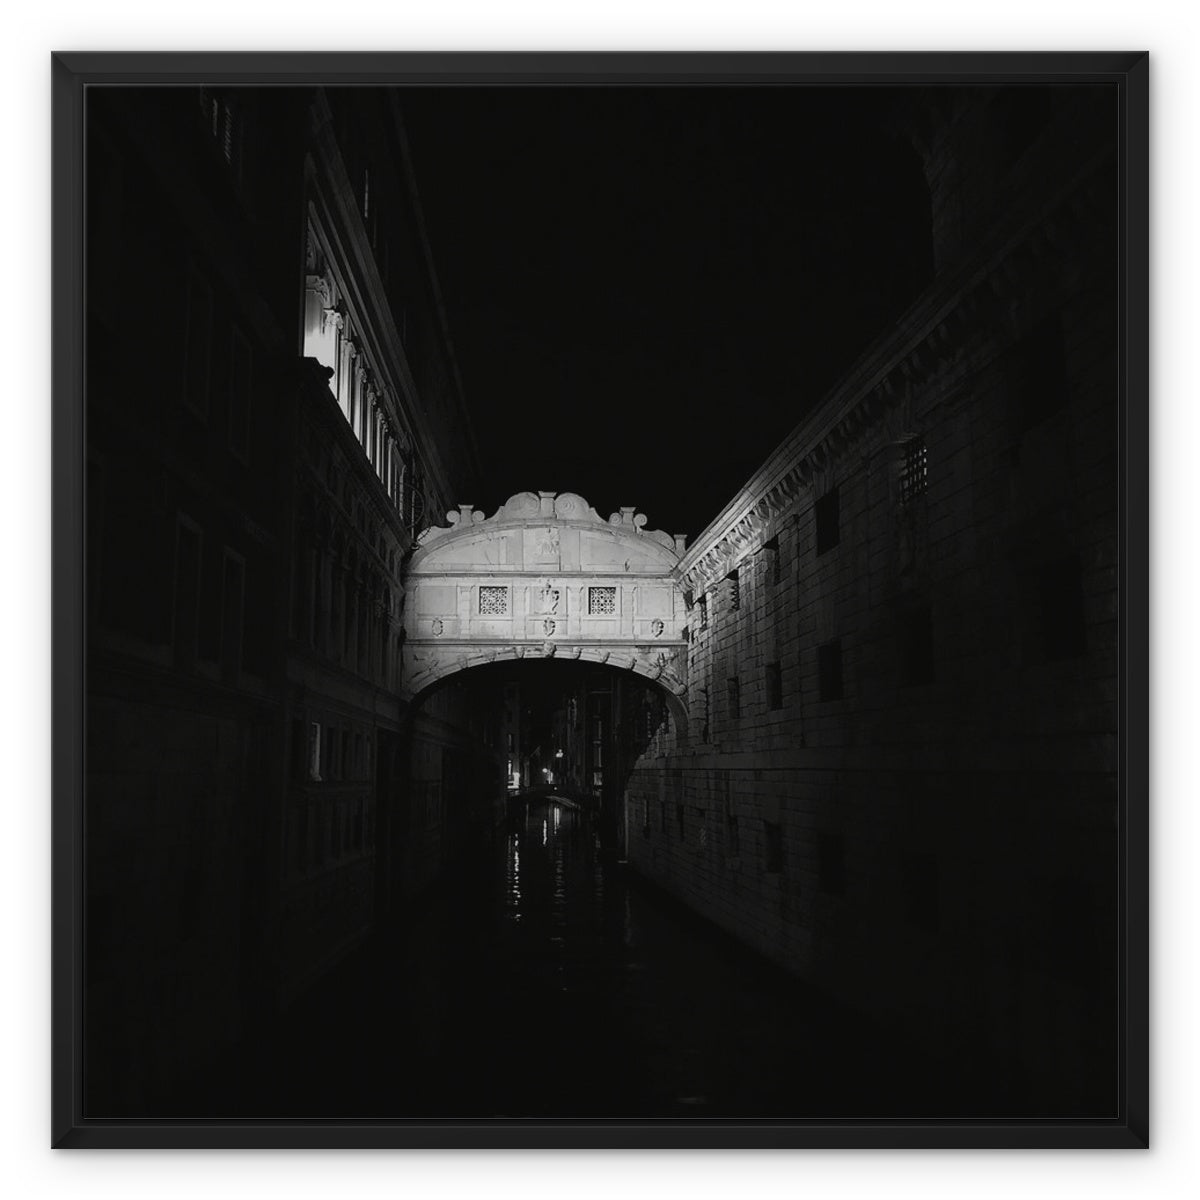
(548, 983)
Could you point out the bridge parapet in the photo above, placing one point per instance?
(545, 576)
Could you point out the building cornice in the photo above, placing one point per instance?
(960, 298)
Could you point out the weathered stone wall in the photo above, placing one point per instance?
(901, 780)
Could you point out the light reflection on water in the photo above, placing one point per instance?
(542, 982)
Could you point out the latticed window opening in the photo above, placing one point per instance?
(914, 471)
(493, 601)
(735, 590)
(602, 601)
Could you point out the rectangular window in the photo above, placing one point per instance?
(241, 368)
(828, 521)
(197, 345)
(916, 646)
(186, 596)
(314, 751)
(735, 590)
(914, 470)
(829, 670)
(774, 566)
(1064, 627)
(328, 741)
(493, 601)
(774, 685)
(831, 863)
(223, 121)
(703, 612)
(773, 847)
(602, 601)
(734, 691)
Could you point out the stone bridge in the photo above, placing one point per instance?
(545, 577)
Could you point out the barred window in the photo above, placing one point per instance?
(735, 590)
(493, 601)
(914, 471)
(602, 601)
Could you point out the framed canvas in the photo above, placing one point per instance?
(412, 788)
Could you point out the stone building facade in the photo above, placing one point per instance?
(900, 779)
(272, 411)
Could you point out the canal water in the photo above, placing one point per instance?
(546, 982)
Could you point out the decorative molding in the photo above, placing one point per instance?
(538, 508)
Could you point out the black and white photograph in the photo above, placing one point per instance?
(602, 599)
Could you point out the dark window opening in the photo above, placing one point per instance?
(735, 591)
(831, 863)
(774, 686)
(1064, 627)
(916, 646)
(774, 565)
(703, 612)
(773, 847)
(828, 521)
(829, 670)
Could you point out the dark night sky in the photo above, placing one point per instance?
(648, 287)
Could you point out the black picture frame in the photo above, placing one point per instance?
(72, 73)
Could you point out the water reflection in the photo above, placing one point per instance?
(544, 983)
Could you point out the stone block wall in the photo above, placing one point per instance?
(900, 780)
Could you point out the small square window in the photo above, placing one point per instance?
(602, 601)
(493, 601)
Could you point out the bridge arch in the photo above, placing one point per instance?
(545, 577)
